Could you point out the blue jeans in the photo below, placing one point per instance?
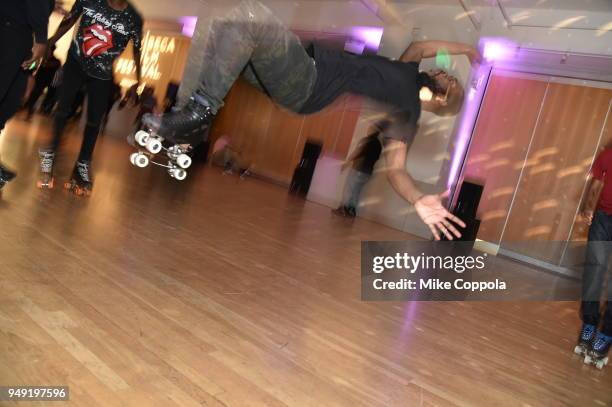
(352, 190)
(597, 260)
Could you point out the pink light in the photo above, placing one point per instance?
(471, 94)
(467, 122)
(371, 36)
(497, 49)
(189, 25)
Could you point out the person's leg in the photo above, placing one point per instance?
(606, 328)
(595, 267)
(252, 40)
(15, 47)
(38, 90)
(359, 181)
(49, 101)
(352, 190)
(98, 93)
(71, 85)
(249, 34)
(13, 97)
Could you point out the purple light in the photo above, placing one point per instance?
(467, 122)
(371, 36)
(189, 25)
(497, 49)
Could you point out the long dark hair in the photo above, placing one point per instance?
(424, 80)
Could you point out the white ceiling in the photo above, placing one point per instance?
(582, 5)
(177, 8)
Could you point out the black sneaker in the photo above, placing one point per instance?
(6, 176)
(188, 125)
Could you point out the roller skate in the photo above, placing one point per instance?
(6, 176)
(587, 333)
(80, 183)
(186, 126)
(598, 354)
(175, 133)
(47, 158)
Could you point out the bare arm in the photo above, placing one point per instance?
(429, 49)
(593, 190)
(38, 17)
(428, 207)
(67, 23)
(400, 180)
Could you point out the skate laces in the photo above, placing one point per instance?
(83, 170)
(601, 341)
(587, 332)
(46, 161)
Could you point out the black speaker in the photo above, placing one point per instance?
(302, 176)
(468, 200)
(466, 209)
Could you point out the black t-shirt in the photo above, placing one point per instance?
(392, 83)
(103, 35)
(369, 154)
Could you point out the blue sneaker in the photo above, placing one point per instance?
(587, 334)
(598, 355)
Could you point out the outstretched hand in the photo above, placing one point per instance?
(437, 217)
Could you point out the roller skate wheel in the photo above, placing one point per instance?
(133, 157)
(184, 161)
(141, 161)
(600, 364)
(45, 185)
(578, 350)
(588, 360)
(142, 137)
(179, 174)
(154, 146)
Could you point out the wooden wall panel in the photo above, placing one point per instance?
(273, 138)
(499, 147)
(281, 144)
(562, 150)
(580, 230)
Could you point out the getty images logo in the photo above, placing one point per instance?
(412, 264)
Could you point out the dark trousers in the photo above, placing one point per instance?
(250, 41)
(41, 83)
(98, 93)
(599, 249)
(16, 46)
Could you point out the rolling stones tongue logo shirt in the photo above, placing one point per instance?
(103, 35)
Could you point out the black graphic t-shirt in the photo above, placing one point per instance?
(103, 35)
(392, 83)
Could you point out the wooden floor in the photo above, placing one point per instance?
(224, 293)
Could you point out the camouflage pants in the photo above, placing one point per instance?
(251, 41)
